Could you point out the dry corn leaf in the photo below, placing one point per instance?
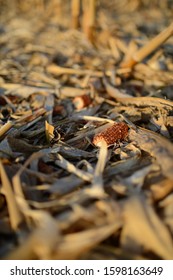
(143, 230)
(128, 165)
(142, 101)
(138, 177)
(13, 209)
(41, 241)
(21, 146)
(62, 162)
(157, 146)
(161, 189)
(68, 151)
(167, 205)
(5, 150)
(65, 185)
(73, 245)
(149, 76)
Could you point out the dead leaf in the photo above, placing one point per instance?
(143, 230)
(49, 130)
(14, 212)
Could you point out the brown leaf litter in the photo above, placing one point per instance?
(86, 130)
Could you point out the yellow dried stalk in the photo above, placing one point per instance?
(100, 166)
(58, 70)
(6, 127)
(89, 17)
(75, 12)
(152, 45)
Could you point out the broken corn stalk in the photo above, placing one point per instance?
(152, 45)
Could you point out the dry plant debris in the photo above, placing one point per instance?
(86, 129)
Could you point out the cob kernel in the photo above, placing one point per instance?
(111, 135)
